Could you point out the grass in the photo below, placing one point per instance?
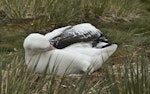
(132, 77)
(62, 12)
(127, 23)
(129, 77)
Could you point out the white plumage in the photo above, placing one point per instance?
(56, 32)
(41, 56)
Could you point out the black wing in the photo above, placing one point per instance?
(76, 34)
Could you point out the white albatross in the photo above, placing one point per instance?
(41, 56)
(84, 32)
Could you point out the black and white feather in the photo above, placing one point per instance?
(85, 32)
(42, 57)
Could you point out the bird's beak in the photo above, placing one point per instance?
(51, 47)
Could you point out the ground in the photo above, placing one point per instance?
(131, 34)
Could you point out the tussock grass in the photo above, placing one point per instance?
(74, 11)
(125, 22)
(130, 77)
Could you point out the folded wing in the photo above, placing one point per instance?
(84, 32)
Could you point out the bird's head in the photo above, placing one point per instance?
(37, 42)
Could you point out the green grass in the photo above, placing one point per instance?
(62, 12)
(129, 77)
(126, 23)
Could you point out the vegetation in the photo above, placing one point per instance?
(125, 22)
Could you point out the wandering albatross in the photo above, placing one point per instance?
(41, 56)
(84, 32)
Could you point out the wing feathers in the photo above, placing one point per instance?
(79, 33)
